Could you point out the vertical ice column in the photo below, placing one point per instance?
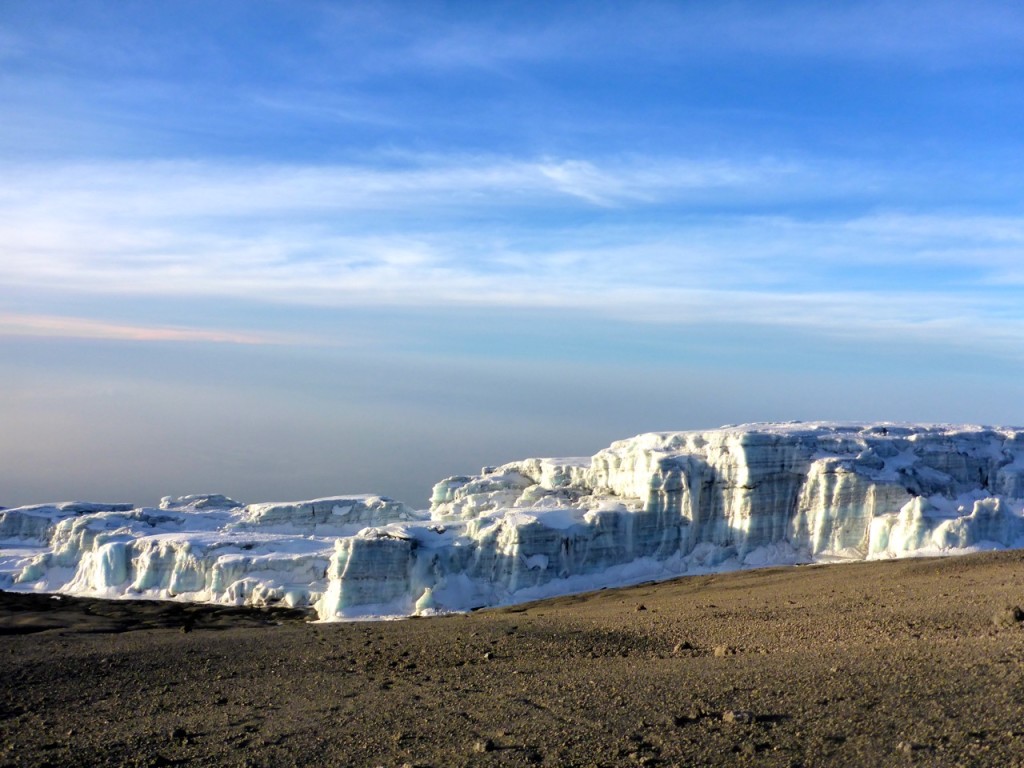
(372, 568)
(837, 506)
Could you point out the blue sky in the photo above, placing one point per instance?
(281, 250)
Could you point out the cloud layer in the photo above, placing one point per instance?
(620, 238)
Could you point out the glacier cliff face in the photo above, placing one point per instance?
(652, 506)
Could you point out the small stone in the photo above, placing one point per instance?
(739, 716)
(683, 646)
(641, 607)
(178, 733)
(484, 745)
(488, 656)
(724, 650)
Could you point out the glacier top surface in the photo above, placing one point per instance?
(873, 429)
(833, 427)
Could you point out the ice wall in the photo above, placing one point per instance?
(206, 548)
(668, 503)
(652, 506)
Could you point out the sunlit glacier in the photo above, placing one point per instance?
(651, 507)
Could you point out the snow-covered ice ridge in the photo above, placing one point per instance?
(654, 506)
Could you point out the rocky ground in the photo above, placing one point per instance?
(914, 662)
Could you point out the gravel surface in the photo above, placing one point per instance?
(913, 662)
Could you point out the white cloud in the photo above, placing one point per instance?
(175, 189)
(472, 232)
(994, 229)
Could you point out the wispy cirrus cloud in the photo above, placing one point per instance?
(349, 42)
(938, 34)
(946, 34)
(165, 188)
(472, 232)
(15, 324)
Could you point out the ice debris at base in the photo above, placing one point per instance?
(650, 507)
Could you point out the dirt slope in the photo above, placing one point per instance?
(913, 662)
